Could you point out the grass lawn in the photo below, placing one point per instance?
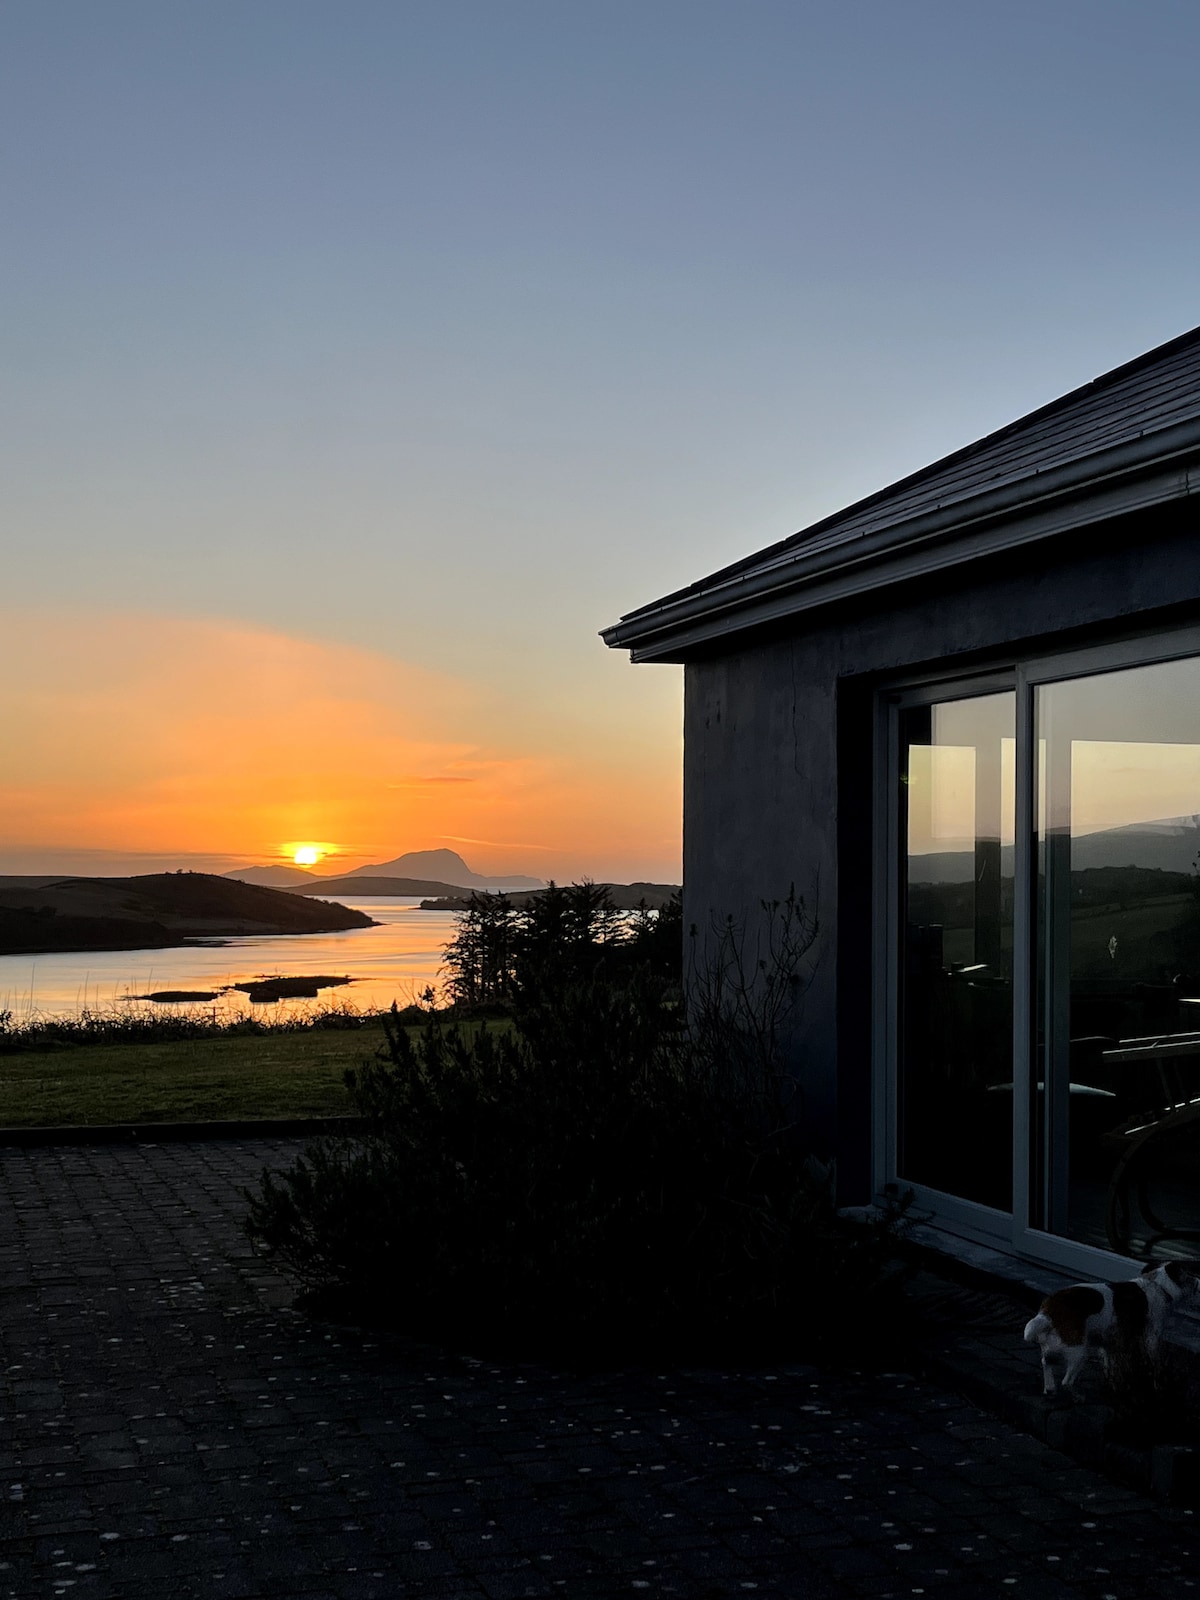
(190, 1080)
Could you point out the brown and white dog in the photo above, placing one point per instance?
(1088, 1316)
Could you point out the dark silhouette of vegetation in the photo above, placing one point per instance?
(1154, 1395)
(479, 958)
(503, 952)
(607, 1174)
(122, 1026)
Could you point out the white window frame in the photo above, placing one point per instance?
(965, 1218)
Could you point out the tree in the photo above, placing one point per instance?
(565, 935)
(480, 957)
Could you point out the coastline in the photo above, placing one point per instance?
(157, 912)
(138, 937)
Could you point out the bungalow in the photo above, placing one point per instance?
(962, 718)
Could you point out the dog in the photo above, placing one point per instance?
(1100, 1316)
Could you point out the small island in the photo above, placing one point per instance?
(154, 912)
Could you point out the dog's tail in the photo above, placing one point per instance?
(1036, 1327)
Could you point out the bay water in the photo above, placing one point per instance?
(394, 961)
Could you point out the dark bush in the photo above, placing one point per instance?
(596, 1176)
(1154, 1395)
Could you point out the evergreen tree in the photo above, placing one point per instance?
(480, 956)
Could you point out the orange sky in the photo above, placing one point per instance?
(138, 737)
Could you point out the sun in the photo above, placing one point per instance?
(307, 852)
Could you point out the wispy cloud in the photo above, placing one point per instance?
(191, 741)
(492, 844)
(422, 783)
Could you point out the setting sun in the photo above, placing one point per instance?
(307, 855)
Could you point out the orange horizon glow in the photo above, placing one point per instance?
(307, 854)
(143, 735)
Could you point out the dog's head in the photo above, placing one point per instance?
(1178, 1280)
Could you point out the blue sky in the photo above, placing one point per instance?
(451, 331)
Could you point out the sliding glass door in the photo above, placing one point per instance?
(1041, 942)
(1116, 1124)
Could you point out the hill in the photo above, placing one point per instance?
(1172, 845)
(279, 877)
(154, 911)
(371, 885)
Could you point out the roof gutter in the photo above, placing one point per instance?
(1130, 476)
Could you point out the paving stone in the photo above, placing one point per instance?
(168, 1425)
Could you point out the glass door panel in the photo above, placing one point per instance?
(1116, 1102)
(955, 1073)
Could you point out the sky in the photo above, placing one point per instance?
(360, 361)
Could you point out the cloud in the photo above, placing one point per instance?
(149, 735)
(137, 732)
(419, 783)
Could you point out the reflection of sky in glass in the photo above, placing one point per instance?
(1134, 740)
(1114, 785)
(946, 775)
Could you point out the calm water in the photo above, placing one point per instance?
(394, 961)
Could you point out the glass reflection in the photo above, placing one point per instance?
(955, 980)
(1116, 1114)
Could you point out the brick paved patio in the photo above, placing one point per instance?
(171, 1428)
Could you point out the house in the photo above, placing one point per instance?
(962, 718)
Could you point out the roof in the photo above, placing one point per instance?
(1125, 441)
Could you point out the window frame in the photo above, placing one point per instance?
(1021, 675)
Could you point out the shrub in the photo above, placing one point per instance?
(1155, 1396)
(599, 1176)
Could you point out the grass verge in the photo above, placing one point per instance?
(277, 1074)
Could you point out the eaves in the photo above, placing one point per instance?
(1136, 475)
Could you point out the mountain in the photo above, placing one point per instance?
(444, 866)
(437, 871)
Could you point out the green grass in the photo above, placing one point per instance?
(284, 1074)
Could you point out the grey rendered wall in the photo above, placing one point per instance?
(760, 817)
(777, 765)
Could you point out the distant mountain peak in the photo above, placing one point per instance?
(447, 866)
(437, 866)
